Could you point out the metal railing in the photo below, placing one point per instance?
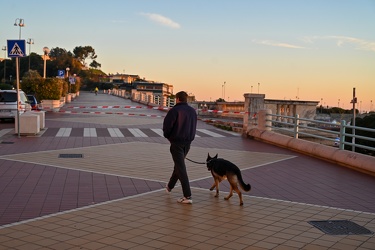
(336, 133)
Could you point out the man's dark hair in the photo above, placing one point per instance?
(182, 96)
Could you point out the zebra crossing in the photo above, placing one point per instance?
(120, 132)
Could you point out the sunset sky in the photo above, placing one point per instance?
(286, 49)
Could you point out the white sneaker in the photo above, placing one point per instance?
(185, 200)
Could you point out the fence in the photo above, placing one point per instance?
(335, 133)
(145, 97)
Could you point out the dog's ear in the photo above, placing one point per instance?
(216, 156)
(208, 157)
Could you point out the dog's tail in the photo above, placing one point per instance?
(244, 186)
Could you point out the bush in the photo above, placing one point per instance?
(31, 83)
(52, 89)
(74, 88)
(43, 89)
(5, 86)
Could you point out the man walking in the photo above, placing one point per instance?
(179, 128)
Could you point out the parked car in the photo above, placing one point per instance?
(35, 105)
(8, 104)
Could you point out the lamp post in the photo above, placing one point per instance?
(258, 87)
(18, 22)
(45, 51)
(5, 61)
(67, 75)
(321, 105)
(224, 91)
(21, 23)
(29, 42)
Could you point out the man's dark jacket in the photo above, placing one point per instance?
(180, 124)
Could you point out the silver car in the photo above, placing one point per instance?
(8, 104)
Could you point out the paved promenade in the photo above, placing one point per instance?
(94, 178)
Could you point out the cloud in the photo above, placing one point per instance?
(278, 44)
(161, 20)
(358, 43)
(342, 41)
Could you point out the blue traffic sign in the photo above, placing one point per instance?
(61, 73)
(72, 79)
(16, 48)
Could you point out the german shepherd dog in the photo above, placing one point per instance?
(222, 169)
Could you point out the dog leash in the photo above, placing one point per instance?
(195, 161)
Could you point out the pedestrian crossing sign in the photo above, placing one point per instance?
(16, 48)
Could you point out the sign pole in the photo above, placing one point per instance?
(18, 96)
(16, 48)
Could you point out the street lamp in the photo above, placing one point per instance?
(224, 91)
(5, 61)
(29, 42)
(19, 22)
(45, 51)
(258, 87)
(67, 75)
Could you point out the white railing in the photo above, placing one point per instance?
(335, 133)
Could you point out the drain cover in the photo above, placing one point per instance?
(7, 142)
(340, 227)
(70, 155)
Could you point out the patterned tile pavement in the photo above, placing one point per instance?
(114, 198)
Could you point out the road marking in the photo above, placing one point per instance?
(64, 132)
(115, 132)
(158, 131)
(137, 132)
(205, 131)
(5, 131)
(89, 132)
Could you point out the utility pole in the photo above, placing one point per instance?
(354, 101)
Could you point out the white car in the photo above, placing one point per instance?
(8, 104)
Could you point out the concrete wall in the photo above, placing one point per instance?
(353, 160)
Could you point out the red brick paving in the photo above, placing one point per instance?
(30, 190)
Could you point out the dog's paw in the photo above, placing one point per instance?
(241, 204)
(226, 198)
(212, 189)
(217, 195)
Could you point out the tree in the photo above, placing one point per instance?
(62, 59)
(59, 53)
(82, 53)
(95, 64)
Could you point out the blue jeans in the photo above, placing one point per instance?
(179, 152)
